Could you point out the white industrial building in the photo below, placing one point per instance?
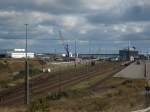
(17, 53)
(22, 55)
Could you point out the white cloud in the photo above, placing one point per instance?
(85, 28)
(43, 2)
(69, 22)
(83, 31)
(23, 42)
(128, 28)
(9, 13)
(138, 29)
(71, 16)
(40, 16)
(101, 4)
(45, 29)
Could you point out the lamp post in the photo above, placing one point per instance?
(27, 92)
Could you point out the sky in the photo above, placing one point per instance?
(96, 25)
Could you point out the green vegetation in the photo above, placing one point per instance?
(32, 72)
(42, 62)
(3, 65)
(113, 94)
(40, 105)
(56, 95)
(4, 84)
(118, 94)
(89, 82)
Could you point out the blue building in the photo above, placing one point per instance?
(129, 54)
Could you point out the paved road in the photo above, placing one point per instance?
(135, 71)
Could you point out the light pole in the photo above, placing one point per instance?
(27, 92)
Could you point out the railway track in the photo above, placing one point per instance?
(100, 84)
(44, 86)
(35, 83)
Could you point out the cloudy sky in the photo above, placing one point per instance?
(101, 24)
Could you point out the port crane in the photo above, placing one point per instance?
(66, 46)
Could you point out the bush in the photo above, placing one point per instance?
(4, 83)
(56, 95)
(32, 72)
(3, 65)
(40, 105)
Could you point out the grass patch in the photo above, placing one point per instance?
(20, 109)
(32, 72)
(56, 95)
(89, 82)
(40, 105)
(3, 65)
(4, 83)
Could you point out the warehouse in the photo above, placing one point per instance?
(129, 54)
(15, 53)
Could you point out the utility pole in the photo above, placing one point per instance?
(27, 92)
(89, 47)
(59, 76)
(75, 49)
(55, 52)
(129, 43)
(75, 52)
(89, 58)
